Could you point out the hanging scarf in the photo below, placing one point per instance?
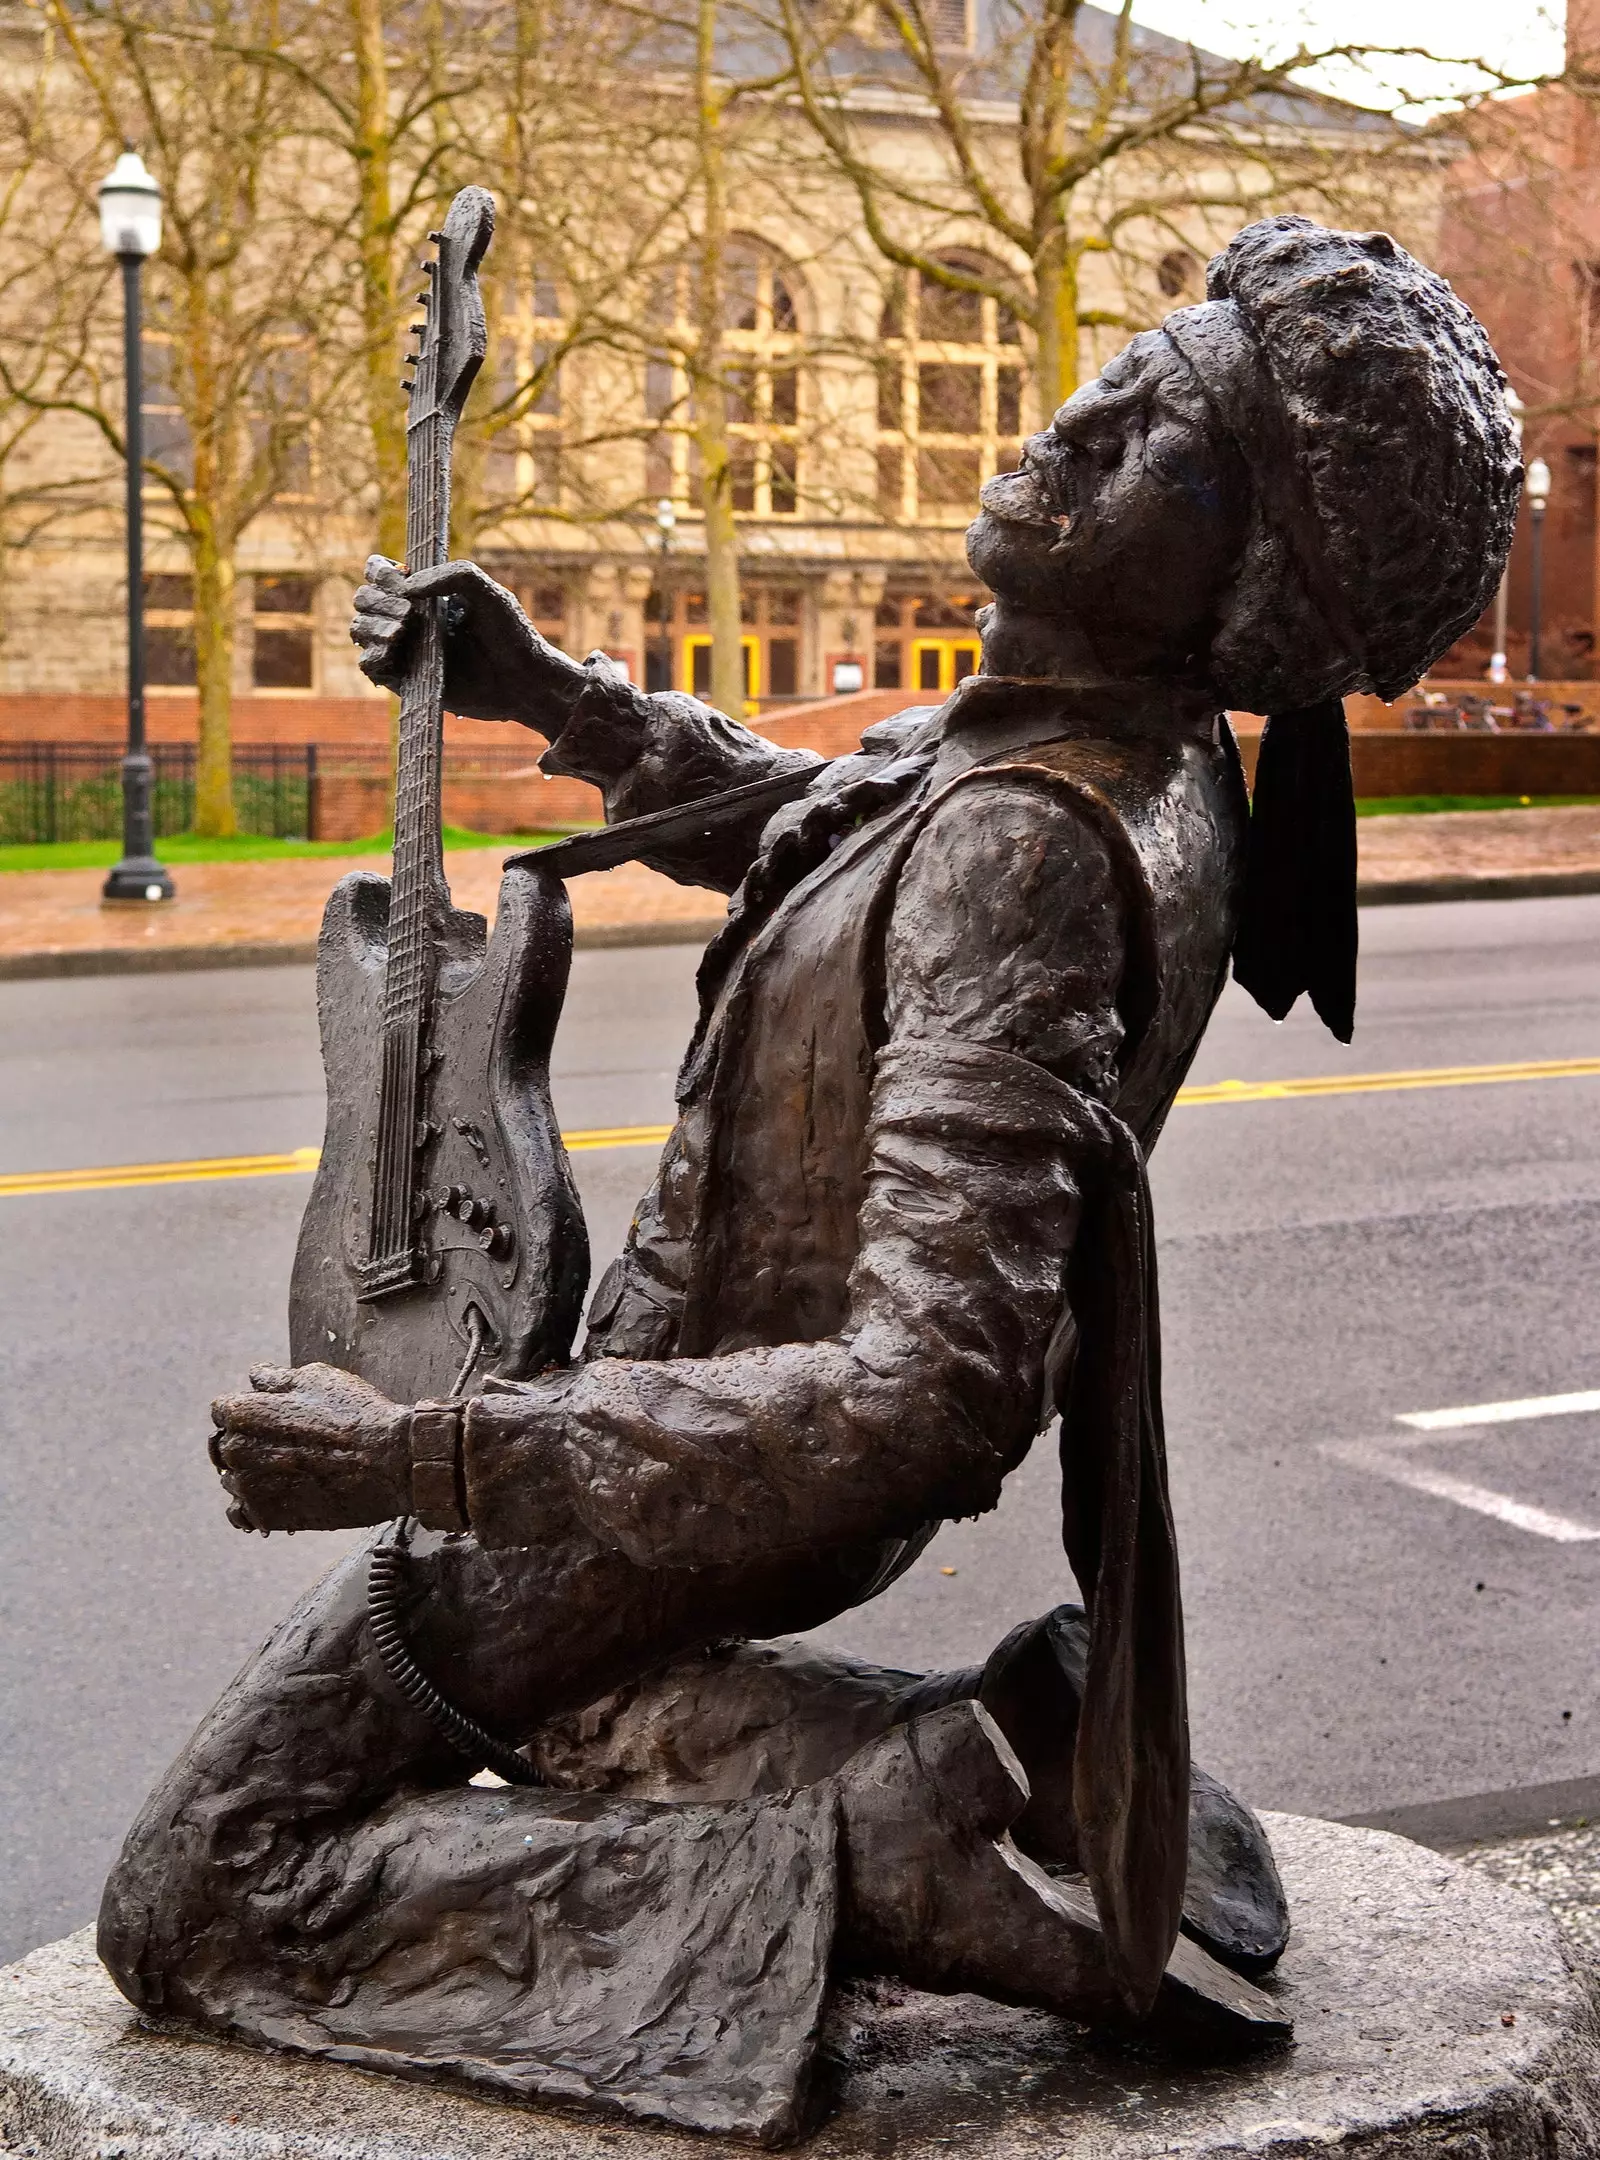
(1297, 929)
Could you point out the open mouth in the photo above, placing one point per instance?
(1019, 498)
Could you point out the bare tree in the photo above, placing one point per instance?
(237, 299)
(648, 282)
(52, 277)
(1089, 157)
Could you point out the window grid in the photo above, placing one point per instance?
(678, 643)
(281, 397)
(169, 657)
(949, 406)
(284, 651)
(926, 641)
(523, 463)
(760, 358)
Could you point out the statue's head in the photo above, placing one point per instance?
(1304, 486)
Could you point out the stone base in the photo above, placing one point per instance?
(1437, 2018)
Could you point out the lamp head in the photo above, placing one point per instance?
(666, 517)
(1536, 484)
(130, 208)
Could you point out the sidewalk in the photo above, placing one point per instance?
(1480, 854)
(261, 913)
(244, 914)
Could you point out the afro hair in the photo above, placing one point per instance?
(1398, 421)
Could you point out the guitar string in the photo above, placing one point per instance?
(417, 802)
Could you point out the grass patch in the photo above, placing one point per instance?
(179, 848)
(1422, 805)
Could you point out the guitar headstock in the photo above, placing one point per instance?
(453, 336)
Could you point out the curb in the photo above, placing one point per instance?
(298, 952)
(1507, 885)
(1488, 1818)
(697, 929)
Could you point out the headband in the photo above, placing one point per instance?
(1297, 928)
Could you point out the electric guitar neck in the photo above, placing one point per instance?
(452, 341)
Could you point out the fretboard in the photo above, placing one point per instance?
(418, 893)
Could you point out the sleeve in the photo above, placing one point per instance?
(1003, 956)
(650, 751)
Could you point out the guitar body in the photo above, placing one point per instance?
(501, 1253)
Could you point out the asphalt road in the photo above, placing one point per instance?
(1328, 1264)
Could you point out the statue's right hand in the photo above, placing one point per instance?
(497, 666)
(383, 622)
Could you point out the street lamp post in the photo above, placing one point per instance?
(130, 227)
(1499, 668)
(666, 525)
(1537, 489)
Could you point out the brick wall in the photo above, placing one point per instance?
(172, 716)
(351, 804)
(1401, 763)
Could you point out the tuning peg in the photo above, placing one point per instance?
(425, 294)
(435, 236)
(430, 269)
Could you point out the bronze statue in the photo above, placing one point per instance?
(901, 1222)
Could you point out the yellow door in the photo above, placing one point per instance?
(940, 663)
(697, 669)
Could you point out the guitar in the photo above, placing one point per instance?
(443, 1240)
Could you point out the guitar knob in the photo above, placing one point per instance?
(473, 1212)
(450, 1198)
(496, 1241)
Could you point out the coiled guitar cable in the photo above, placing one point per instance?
(386, 1589)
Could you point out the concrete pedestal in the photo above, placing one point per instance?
(1436, 2015)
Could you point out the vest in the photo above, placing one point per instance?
(749, 1233)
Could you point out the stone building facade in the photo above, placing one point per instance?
(1520, 239)
(869, 413)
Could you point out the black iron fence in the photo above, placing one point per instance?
(73, 791)
(285, 791)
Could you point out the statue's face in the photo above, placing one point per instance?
(1128, 513)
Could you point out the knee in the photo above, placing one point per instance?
(137, 1907)
(171, 1884)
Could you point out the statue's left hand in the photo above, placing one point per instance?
(311, 1449)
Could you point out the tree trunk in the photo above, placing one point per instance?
(373, 144)
(1056, 324)
(214, 816)
(710, 393)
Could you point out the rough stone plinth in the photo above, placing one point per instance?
(1437, 2015)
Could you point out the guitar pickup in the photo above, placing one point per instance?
(383, 1277)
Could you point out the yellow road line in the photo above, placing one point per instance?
(604, 1136)
(301, 1161)
(1433, 1076)
(298, 1162)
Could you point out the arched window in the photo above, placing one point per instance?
(760, 370)
(949, 397)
